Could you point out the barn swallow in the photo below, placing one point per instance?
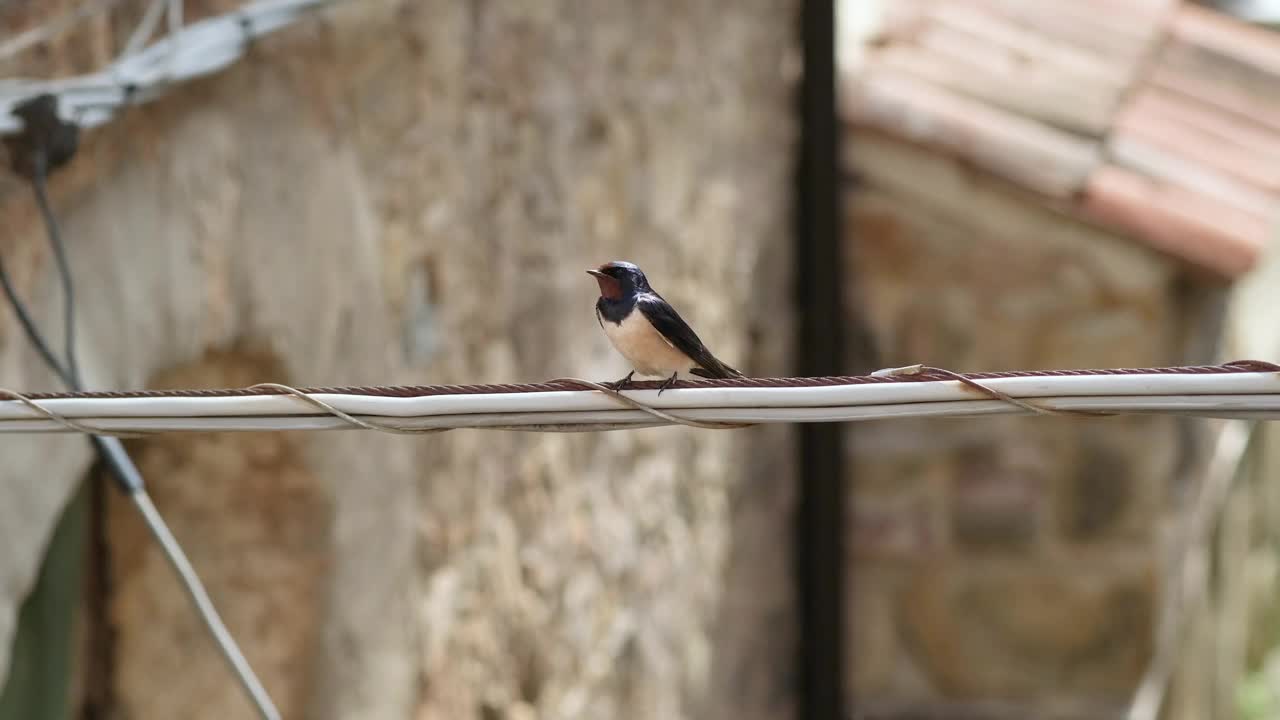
(647, 331)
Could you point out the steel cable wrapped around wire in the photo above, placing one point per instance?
(1247, 389)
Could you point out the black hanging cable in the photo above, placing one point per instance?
(40, 185)
(46, 143)
(29, 328)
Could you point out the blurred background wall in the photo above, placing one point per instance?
(1053, 185)
(410, 192)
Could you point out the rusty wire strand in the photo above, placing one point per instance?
(632, 402)
(927, 374)
(365, 424)
(55, 417)
(911, 370)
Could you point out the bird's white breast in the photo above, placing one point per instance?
(647, 350)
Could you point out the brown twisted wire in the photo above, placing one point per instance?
(990, 392)
(926, 374)
(62, 420)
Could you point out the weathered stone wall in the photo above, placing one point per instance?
(256, 521)
(1006, 559)
(410, 191)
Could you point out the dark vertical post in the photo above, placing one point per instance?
(819, 539)
(98, 660)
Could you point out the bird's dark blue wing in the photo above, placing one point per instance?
(667, 321)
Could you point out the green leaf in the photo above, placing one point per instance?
(41, 667)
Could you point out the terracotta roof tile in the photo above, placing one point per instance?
(1115, 108)
(1032, 154)
(1218, 33)
(1116, 29)
(1157, 162)
(1184, 224)
(1232, 102)
(1223, 155)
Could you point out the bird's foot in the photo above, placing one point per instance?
(668, 382)
(622, 384)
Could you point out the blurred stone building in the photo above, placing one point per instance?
(1039, 185)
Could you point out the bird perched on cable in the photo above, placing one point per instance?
(647, 331)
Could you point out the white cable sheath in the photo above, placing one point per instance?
(1030, 388)
(1235, 395)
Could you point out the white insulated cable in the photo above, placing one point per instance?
(1253, 395)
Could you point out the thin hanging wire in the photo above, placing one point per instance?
(121, 465)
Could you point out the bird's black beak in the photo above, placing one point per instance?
(597, 273)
